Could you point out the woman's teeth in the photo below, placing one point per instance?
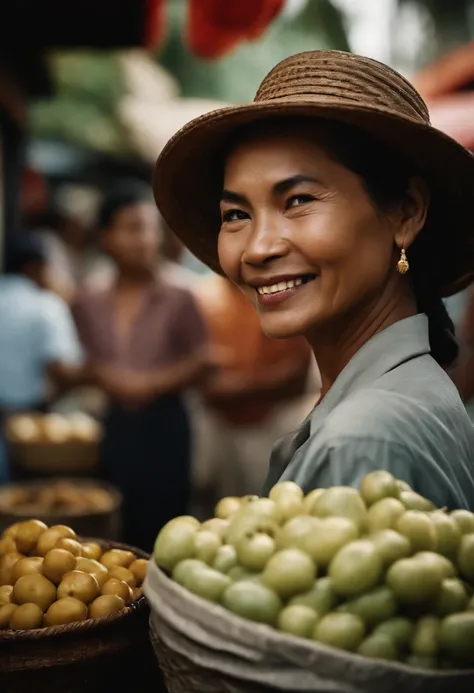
(281, 286)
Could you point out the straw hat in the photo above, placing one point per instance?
(338, 86)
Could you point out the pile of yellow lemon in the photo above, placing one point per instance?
(378, 571)
(48, 577)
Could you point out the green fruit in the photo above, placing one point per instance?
(373, 607)
(413, 501)
(448, 534)
(403, 486)
(245, 522)
(225, 559)
(422, 662)
(289, 572)
(378, 647)
(295, 531)
(206, 545)
(320, 597)
(253, 601)
(174, 543)
(378, 485)
(391, 546)
(310, 499)
(285, 489)
(227, 507)
(342, 501)
(419, 529)
(452, 599)
(239, 573)
(457, 637)
(184, 568)
(425, 640)
(298, 620)
(435, 559)
(414, 582)
(356, 568)
(255, 550)
(344, 631)
(466, 557)
(384, 514)
(331, 535)
(400, 630)
(219, 527)
(207, 583)
(464, 520)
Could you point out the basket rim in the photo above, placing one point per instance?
(116, 496)
(9, 635)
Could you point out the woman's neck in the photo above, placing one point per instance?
(335, 345)
(129, 281)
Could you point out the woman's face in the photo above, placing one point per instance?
(301, 236)
(133, 237)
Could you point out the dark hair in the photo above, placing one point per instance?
(386, 177)
(122, 195)
(22, 249)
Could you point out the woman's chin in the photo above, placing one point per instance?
(276, 328)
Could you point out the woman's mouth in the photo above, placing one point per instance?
(280, 291)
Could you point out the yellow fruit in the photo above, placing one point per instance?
(332, 534)
(118, 587)
(448, 534)
(425, 641)
(206, 545)
(124, 574)
(356, 568)
(64, 531)
(6, 594)
(466, 557)
(342, 501)
(36, 589)
(6, 566)
(65, 610)
(117, 557)
(378, 485)
(414, 581)
(70, 545)
(227, 507)
(310, 499)
(289, 572)
(7, 544)
(457, 637)
(217, 526)
(391, 546)
(298, 620)
(26, 566)
(89, 565)
(105, 605)
(419, 529)
(413, 501)
(464, 520)
(82, 586)
(12, 530)
(91, 549)
(57, 563)
(139, 569)
(384, 514)
(47, 541)
(137, 593)
(28, 534)
(437, 561)
(296, 531)
(344, 631)
(26, 616)
(6, 612)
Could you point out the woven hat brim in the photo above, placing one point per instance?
(188, 177)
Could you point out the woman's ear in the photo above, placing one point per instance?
(413, 212)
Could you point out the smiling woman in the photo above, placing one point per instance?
(334, 215)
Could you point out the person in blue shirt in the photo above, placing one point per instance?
(39, 346)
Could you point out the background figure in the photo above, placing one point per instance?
(259, 393)
(148, 340)
(39, 347)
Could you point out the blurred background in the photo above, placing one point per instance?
(104, 317)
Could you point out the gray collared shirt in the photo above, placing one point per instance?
(392, 407)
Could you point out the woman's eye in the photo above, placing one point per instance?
(297, 200)
(234, 215)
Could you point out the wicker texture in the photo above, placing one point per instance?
(337, 86)
(91, 655)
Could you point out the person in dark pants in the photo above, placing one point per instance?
(148, 341)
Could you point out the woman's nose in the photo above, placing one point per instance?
(266, 242)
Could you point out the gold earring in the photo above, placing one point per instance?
(403, 265)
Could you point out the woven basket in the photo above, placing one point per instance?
(202, 648)
(85, 657)
(104, 523)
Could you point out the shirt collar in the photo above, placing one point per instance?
(401, 342)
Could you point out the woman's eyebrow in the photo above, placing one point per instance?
(285, 185)
(236, 198)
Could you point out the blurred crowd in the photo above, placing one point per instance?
(107, 313)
